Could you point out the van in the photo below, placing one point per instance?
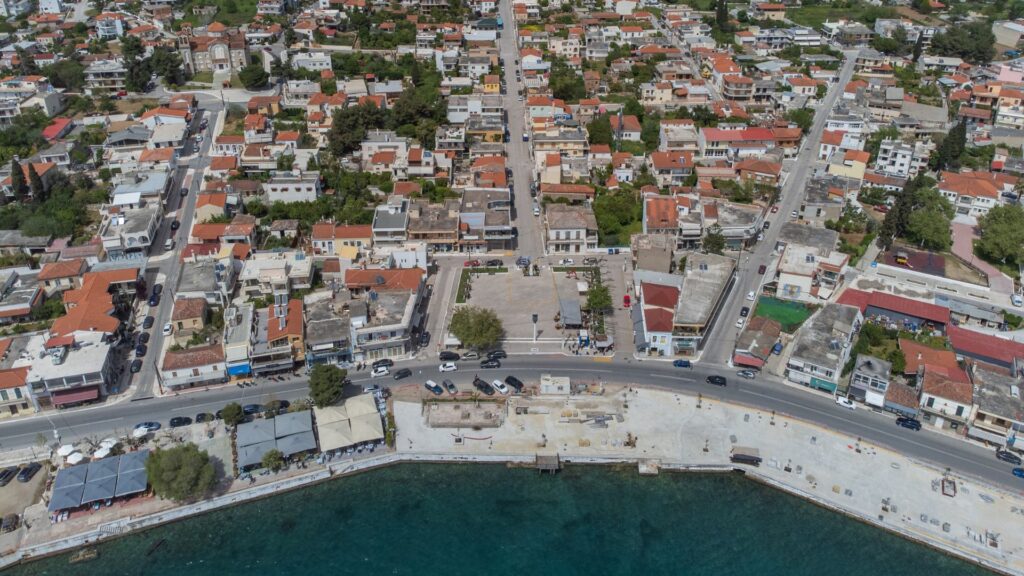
(169, 244)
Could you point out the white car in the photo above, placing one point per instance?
(379, 371)
(739, 323)
(500, 386)
(794, 214)
(566, 262)
(448, 367)
(845, 402)
(751, 295)
(168, 329)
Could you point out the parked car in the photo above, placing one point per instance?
(142, 339)
(448, 356)
(433, 388)
(450, 386)
(590, 261)
(845, 403)
(250, 409)
(522, 261)
(471, 263)
(751, 295)
(566, 262)
(148, 322)
(514, 383)
(158, 289)
(154, 300)
(761, 269)
(148, 426)
(175, 224)
(748, 374)
(744, 311)
(28, 471)
(490, 364)
(8, 474)
(495, 263)
(716, 380)
(1007, 456)
(136, 366)
(424, 338)
(682, 364)
(907, 422)
(179, 421)
(739, 323)
(500, 386)
(204, 417)
(483, 386)
(1018, 472)
(496, 355)
(403, 373)
(379, 371)
(775, 208)
(140, 350)
(384, 362)
(168, 328)
(471, 355)
(794, 214)
(447, 367)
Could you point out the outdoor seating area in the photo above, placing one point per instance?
(98, 483)
(290, 433)
(355, 423)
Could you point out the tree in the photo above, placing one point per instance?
(230, 7)
(18, 181)
(722, 15)
(68, 74)
(180, 473)
(974, 42)
(1002, 235)
(289, 37)
(929, 228)
(565, 83)
(599, 298)
(633, 108)
(477, 328)
(802, 117)
(600, 130)
(232, 414)
(350, 126)
(131, 48)
(273, 460)
(325, 384)
(918, 48)
(714, 241)
(36, 184)
(253, 76)
(650, 132)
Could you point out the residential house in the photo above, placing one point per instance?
(192, 367)
(822, 347)
(870, 380)
(569, 229)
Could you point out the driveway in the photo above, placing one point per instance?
(963, 246)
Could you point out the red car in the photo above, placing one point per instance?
(775, 209)
(471, 263)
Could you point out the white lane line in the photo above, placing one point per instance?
(226, 401)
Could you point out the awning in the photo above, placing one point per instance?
(747, 360)
(571, 314)
(240, 370)
(62, 397)
(982, 434)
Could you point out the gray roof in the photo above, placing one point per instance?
(817, 341)
(255, 432)
(252, 454)
(323, 326)
(967, 308)
(129, 135)
(570, 311)
(293, 423)
(296, 443)
(101, 489)
(872, 366)
(72, 476)
(131, 482)
(66, 497)
(998, 393)
(925, 113)
(198, 276)
(704, 282)
(99, 480)
(793, 233)
(100, 469)
(16, 238)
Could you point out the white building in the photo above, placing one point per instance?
(569, 229)
(197, 366)
(296, 186)
(901, 160)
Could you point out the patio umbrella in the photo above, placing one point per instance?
(64, 450)
(140, 433)
(108, 442)
(75, 458)
(103, 452)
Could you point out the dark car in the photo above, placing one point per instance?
(1018, 472)
(8, 474)
(1007, 456)
(403, 373)
(910, 423)
(433, 387)
(385, 362)
(482, 385)
(590, 261)
(514, 383)
(158, 289)
(148, 322)
(154, 300)
(29, 471)
(495, 263)
(142, 339)
(716, 380)
(205, 417)
(175, 224)
(744, 311)
(496, 355)
(761, 269)
(140, 350)
(136, 366)
(490, 364)
(449, 386)
(682, 364)
(179, 421)
(250, 409)
(424, 338)
(448, 356)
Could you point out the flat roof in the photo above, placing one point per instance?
(704, 281)
(819, 340)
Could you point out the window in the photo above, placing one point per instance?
(959, 410)
(931, 402)
(17, 392)
(3, 394)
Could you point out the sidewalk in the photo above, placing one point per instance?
(963, 246)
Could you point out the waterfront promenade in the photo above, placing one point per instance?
(656, 430)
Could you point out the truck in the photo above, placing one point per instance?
(745, 455)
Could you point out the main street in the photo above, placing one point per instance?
(718, 346)
(945, 451)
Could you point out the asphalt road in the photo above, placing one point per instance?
(961, 456)
(719, 345)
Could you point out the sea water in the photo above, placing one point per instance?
(468, 519)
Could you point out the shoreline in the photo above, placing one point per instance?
(129, 526)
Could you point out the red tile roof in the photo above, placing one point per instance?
(393, 279)
(918, 354)
(977, 345)
(292, 324)
(659, 295)
(886, 301)
(64, 269)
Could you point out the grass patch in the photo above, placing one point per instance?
(789, 314)
(815, 16)
(242, 13)
(205, 76)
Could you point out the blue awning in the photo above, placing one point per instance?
(239, 370)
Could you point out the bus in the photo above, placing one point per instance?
(186, 184)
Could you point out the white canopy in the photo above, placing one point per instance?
(64, 450)
(75, 458)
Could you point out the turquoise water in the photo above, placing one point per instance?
(475, 519)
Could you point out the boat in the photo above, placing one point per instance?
(83, 555)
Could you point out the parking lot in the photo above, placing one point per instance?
(17, 496)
